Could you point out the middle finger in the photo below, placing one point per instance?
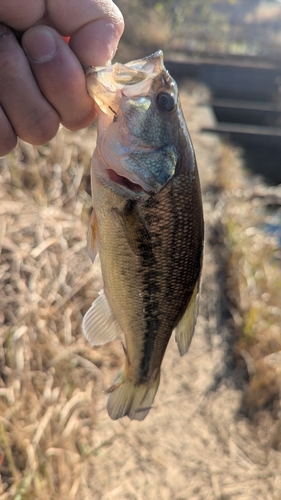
(31, 115)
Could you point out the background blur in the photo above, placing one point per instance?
(199, 27)
(214, 432)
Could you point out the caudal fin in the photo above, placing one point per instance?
(125, 398)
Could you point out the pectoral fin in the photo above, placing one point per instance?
(99, 325)
(185, 328)
(92, 237)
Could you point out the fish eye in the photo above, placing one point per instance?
(165, 101)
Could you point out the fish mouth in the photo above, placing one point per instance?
(107, 85)
(127, 183)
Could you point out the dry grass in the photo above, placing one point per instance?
(49, 374)
(254, 284)
(52, 443)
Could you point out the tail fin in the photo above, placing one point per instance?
(125, 398)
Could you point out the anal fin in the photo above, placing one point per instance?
(99, 325)
(126, 398)
(185, 328)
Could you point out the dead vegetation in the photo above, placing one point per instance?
(49, 375)
(254, 283)
(55, 443)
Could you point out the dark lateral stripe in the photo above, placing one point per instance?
(139, 240)
(151, 309)
(148, 267)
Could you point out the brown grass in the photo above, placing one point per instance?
(254, 284)
(49, 374)
(51, 378)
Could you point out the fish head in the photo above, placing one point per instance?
(138, 123)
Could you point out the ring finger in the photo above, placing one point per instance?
(8, 138)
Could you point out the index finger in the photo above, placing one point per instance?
(21, 14)
(94, 27)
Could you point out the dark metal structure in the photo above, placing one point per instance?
(246, 99)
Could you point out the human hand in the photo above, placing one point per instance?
(42, 82)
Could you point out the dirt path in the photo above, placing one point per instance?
(194, 444)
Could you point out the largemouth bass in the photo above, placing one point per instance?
(146, 224)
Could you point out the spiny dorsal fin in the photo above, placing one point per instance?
(92, 236)
(185, 328)
(125, 398)
(99, 325)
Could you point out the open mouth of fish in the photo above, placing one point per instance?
(124, 181)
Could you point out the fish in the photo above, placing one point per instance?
(146, 224)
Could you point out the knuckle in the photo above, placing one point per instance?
(8, 138)
(10, 51)
(23, 13)
(11, 71)
(8, 144)
(46, 127)
(79, 122)
(40, 128)
(8, 67)
(118, 20)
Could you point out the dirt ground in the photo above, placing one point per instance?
(195, 444)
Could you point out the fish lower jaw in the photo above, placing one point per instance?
(127, 183)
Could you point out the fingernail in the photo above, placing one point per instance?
(39, 44)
